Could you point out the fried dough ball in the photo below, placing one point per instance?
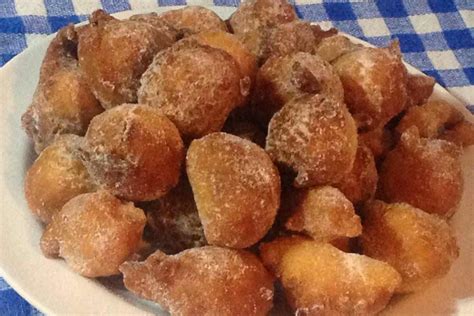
(324, 214)
(378, 140)
(203, 281)
(134, 151)
(425, 173)
(94, 233)
(319, 279)
(234, 47)
(196, 87)
(193, 19)
(174, 220)
(462, 134)
(374, 81)
(430, 118)
(419, 245)
(286, 77)
(419, 89)
(361, 182)
(55, 177)
(332, 47)
(316, 137)
(293, 37)
(113, 55)
(63, 102)
(236, 188)
(253, 18)
(157, 22)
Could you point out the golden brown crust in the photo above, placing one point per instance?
(236, 188)
(461, 134)
(425, 173)
(360, 184)
(134, 151)
(94, 233)
(379, 140)
(252, 20)
(283, 78)
(374, 81)
(419, 89)
(113, 54)
(332, 47)
(419, 245)
(319, 279)
(193, 19)
(324, 214)
(316, 137)
(195, 86)
(63, 102)
(55, 177)
(430, 118)
(203, 281)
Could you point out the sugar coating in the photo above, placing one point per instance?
(422, 246)
(379, 140)
(62, 102)
(324, 214)
(332, 47)
(430, 118)
(425, 173)
(196, 87)
(419, 89)
(56, 176)
(203, 281)
(461, 134)
(319, 279)
(134, 151)
(236, 188)
(192, 20)
(113, 54)
(174, 220)
(94, 233)
(316, 137)
(157, 22)
(374, 81)
(283, 78)
(360, 184)
(252, 20)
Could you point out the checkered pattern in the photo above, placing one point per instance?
(436, 36)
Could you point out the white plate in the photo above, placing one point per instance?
(54, 289)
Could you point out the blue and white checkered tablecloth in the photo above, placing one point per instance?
(436, 36)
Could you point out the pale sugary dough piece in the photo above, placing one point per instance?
(236, 188)
(203, 281)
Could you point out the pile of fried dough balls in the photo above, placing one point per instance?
(245, 166)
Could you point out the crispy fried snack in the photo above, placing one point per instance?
(134, 151)
(113, 55)
(203, 281)
(236, 188)
(425, 173)
(196, 87)
(374, 81)
(173, 220)
(431, 118)
(63, 102)
(319, 279)
(361, 182)
(253, 18)
(324, 214)
(419, 89)
(157, 22)
(332, 47)
(462, 134)
(193, 19)
(378, 140)
(293, 37)
(316, 137)
(94, 233)
(55, 177)
(419, 245)
(284, 78)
